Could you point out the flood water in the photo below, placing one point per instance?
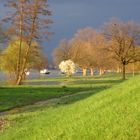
(36, 75)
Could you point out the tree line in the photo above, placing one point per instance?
(114, 47)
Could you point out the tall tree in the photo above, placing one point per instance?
(29, 23)
(124, 40)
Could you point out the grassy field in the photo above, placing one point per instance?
(108, 110)
(12, 96)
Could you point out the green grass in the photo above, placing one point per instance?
(104, 114)
(12, 97)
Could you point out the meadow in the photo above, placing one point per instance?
(80, 108)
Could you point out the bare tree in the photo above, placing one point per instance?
(63, 52)
(89, 50)
(83, 49)
(29, 23)
(124, 41)
(80, 54)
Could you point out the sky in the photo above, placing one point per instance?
(71, 15)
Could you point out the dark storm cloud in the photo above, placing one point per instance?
(71, 15)
(96, 2)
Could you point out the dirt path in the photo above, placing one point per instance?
(48, 102)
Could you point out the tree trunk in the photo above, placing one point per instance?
(118, 69)
(84, 72)
(91, 71)
(24, 76)
(133, 69)
(101, 71)
(21, 40)
(20, 78)
(124, 72)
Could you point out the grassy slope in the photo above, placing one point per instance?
(111, 114)
(11, 97)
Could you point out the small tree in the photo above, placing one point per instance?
(68, 67)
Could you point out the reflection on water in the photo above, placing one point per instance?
(37, 75)
(2, 76)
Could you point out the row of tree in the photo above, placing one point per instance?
(25, 27)
(113, 47)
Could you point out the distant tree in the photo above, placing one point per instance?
(3, 39)
(62, 52)
(133, 68)
(80, 54)
(124, 40)
(28, 22)
(82, 49)
(89, 50)
(40, 61)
